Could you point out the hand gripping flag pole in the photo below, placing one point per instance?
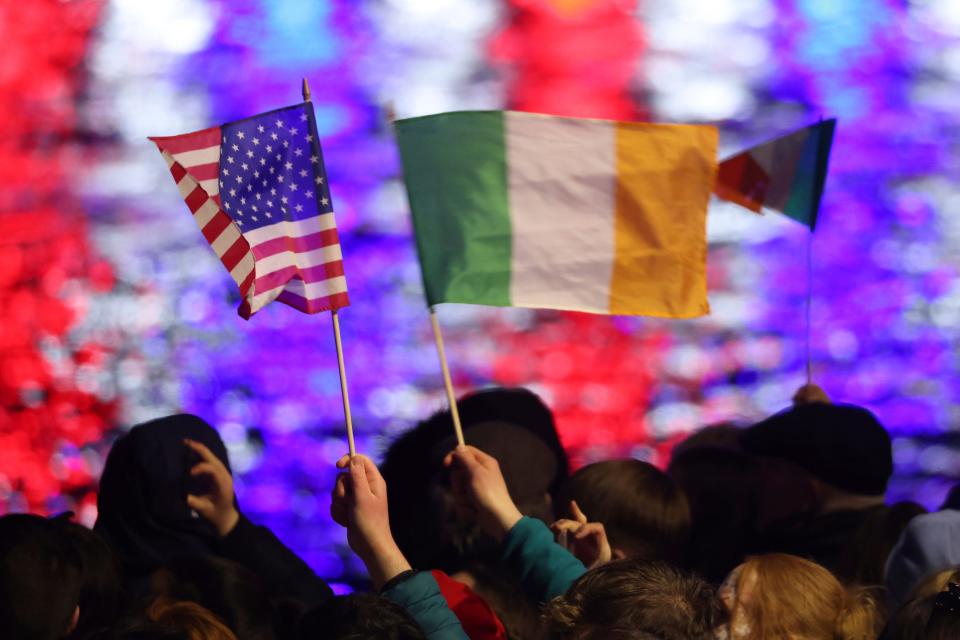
(336, 337)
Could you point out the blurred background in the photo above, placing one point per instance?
(114, 310)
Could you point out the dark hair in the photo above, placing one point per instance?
(357, 617)
(131, 628)
(498, 587)
(412, 469)
(40, 579)
(228, 589)
(722, 486)
(636, 600)
(864, 557)
(643, 511)
(101, 582)
(932, 617)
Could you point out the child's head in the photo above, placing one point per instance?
(189, 617)
(636, 600)
(359, 616)
(931, 616)
(229, 590)
(777, 595)
(644, 512)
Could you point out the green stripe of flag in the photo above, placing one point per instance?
(455, 169)
(804, 202)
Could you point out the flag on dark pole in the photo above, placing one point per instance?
(786, 174)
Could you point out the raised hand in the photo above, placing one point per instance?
(586, 540)
(216, 504)
(478, 486)
(359, 503)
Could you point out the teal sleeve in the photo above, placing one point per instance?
(544, 568)
(420, 596)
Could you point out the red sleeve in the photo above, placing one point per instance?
(475, 615)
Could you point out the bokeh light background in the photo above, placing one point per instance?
(113, 310)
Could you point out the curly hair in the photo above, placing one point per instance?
(357, 616)
(635, 600)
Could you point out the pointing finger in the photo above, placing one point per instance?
(578, 515)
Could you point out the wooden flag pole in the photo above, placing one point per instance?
(438, 339)
(351, 444)
(447, 383)
(343, 384)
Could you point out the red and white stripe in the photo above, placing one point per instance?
(298, 263)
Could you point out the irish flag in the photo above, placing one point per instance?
(528, 210)
(786, 174)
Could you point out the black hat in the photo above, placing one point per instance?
(841, 444)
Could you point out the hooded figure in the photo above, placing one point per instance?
(144, 517)
(142, 507)
(930, 543)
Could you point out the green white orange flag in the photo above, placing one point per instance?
(786, 174)
(529, 210)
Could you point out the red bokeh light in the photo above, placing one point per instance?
(43, 247)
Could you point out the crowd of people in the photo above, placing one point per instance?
(778, 530)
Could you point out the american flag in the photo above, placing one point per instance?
(258, 190)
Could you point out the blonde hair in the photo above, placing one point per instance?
(784, 596)
(199, 623)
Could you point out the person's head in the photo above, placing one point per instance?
(493, 419)
(723, 488)
(40, 579)
(101, 579)
(197, 622)
(934, 616)
(868, 551)
(844, 447)
(935, 583)
(645, 514)
(229, 590)
(635, 600)
(776, 595)
(142, 509)
(356, 617)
